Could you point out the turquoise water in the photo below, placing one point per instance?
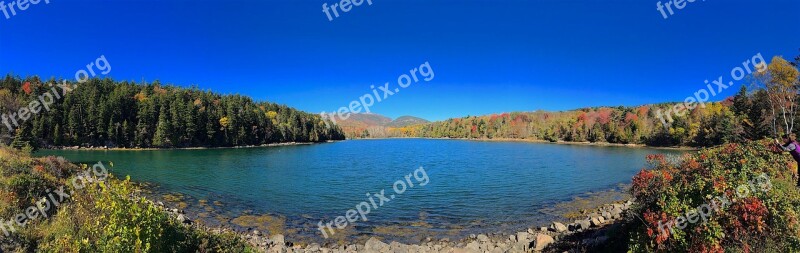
(472, 186)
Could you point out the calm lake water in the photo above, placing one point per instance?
(473, 187)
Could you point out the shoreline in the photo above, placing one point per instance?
(281, 144)
(596, 144)
(580, 222)
(586, 143)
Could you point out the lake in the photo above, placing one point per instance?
(472, 186)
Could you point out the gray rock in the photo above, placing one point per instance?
(558, 227)
(483, 238)
(583, 224)
(181, 218)
(522, 237)
(473, 246)
(376, 245)
(607, 215)
(541, 241)
(596, 221)
(278, 240)
(313, 247)
(616, 212)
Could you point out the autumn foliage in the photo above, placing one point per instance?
(764, 220)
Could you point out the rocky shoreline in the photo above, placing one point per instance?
(280, 144)
(581, 235)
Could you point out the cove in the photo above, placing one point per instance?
(474, 187)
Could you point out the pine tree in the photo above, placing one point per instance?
(160, 138)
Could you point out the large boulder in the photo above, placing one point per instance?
(483, 238)
(522, 236)
(375, 245)
(278, 240)
(541, 241)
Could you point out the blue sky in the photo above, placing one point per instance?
(488, 56)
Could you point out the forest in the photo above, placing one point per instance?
(751, 114)
(107, 113)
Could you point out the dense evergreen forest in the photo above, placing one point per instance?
(747, 115)
(103, 112)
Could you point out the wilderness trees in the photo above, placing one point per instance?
(101, 112)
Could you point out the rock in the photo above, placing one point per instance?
(473, 236)
(497, 250)
(278, 240)
(313, 247)
(596, 222)
(558, 227)
(541, 241)
(522, 237)
(483, 238)
(512, 238)
(521, 246)
(543, 229)
(616, 212)
(376, 245)
(183, 219)
(607, 215)
(256, 232)
(573, 227)
(472, 247)
(278, 249)
(397, 247)
(583, 224)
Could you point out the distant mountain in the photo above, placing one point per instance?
(364, 125)
(364, 120)
(407, 121)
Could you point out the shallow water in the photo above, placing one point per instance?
(473, 187)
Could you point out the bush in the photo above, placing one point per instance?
(102, 217)
(760, 217)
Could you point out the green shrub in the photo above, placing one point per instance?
(101, 217)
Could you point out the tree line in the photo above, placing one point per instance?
(108, 113)
(765, 110)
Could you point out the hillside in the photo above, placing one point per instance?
(370, 125)
(405, 121)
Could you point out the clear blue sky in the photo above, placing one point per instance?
(488, 56)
